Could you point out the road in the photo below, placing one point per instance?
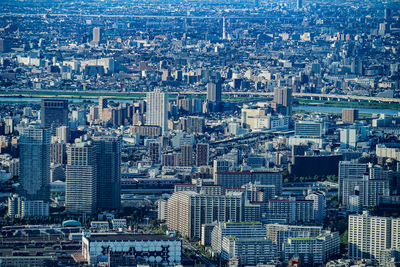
(203, 259)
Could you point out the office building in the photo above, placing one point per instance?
(157, 110)
(81, 178)
(283, 100)
(108, 162)
(97, 35)
(257, 192)
(186, 155)
(349, 115)
(35, 163)
(309, 129)
(58, 153)
(153, 249)
(369, 237)
(54, 112)
(188, 210)
(102, 106)
(202, 154)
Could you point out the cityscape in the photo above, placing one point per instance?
(200, 133)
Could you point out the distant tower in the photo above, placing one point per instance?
(202, 154)
(54, 112)
(96, 34)
(35, 163)
(157, 110)
(103, 104)
(223, 29)
(186, 155)
(283, 100)
(299, 4)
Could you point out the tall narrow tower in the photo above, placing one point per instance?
(35, 163)
(157, 110)
(223, 28)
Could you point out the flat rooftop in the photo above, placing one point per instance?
(128, 237)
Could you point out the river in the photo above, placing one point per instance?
(311, 108)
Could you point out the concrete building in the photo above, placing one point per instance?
(188, 210)
(283, 100)
(108, 165)
(186, 155)
(370, 236)
(155, 249)
(319, 205)
(348, 138)
(349, 115)
(19, 207)
(237, 179)
(157, 110)
(247, 230)
(312, 250)
(81, 178)
(35, 163)
(202, 154)
(249, 251)
(54, 112)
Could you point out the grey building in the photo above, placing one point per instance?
(108, 158)
(81, 178)
(35, 163)
(54, 112)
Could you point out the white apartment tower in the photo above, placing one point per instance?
(157, 110)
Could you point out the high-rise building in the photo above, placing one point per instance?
(103, 104)
(369, 237)
(188, 210)
(364, 180)
(202, 154)
(349, 115)
(157, 110)
(186, 155)
(58, 153)
(309, 129)
(319, 205)
(214, 91)
(54, 112)
(81, 178)
(35, 163)
(283, 100)
(155, 152)
(299, 4)
(97, 35)
(108, 161)
(348, 138)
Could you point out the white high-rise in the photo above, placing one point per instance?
(370, 236)
(157, 110)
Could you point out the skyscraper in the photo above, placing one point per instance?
(81, 178)
(108, 159)
(103, 104)
(35, 163)
(186, 155)
(54, 112)
(283, 100)
(202, 154)
(214, 91)
(299, 4)
(97, 35)
(157, 110)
